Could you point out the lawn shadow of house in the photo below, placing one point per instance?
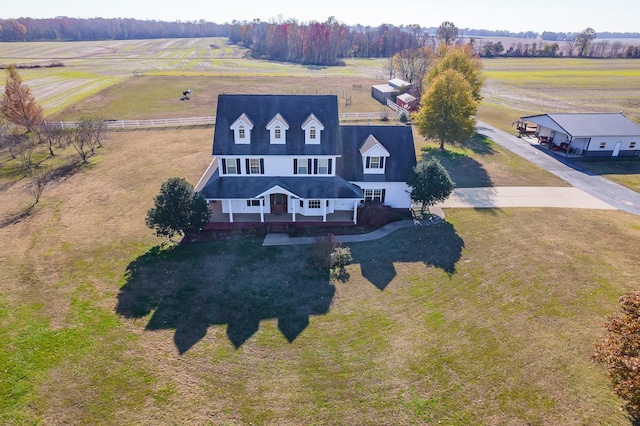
(438, 245)
(192, 287)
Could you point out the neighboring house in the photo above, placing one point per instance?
(287, 155)
(588, 134)
(382, 92)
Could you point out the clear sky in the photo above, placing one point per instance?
(515, 16)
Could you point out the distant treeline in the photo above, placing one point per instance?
(313, 43)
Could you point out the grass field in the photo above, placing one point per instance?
(468, 322)
(488, 318)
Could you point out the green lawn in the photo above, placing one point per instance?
(487, 318)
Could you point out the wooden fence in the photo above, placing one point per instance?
(210, 121)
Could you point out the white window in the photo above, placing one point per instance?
(312, 133)
(254, 166)
(302, 166)
(374, 195)
(241, 133)
(253, 203)
(323, 166)
(374, 162)
(231, 166)
(314, 204)
(278, 133)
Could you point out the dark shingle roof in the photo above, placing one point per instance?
(398, 140)
(261, 109)
(240, 187)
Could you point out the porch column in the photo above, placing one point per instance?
(293, 215)
(230, 211)
(355, 212)
(261, 210)
(324, 210)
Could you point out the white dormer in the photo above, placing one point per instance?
(374, 156)
(242, 129)
(277, 128)
(312, 130)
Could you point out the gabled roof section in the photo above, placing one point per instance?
(397, 140)
(372, 143)
(243, 119)
(312, 119)
(262, 109)
(278, 119)
(585, 125)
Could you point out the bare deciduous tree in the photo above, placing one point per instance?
(447, 32)
(39, 179)
(389, 67)
(52, 135)
(88, 136)
(583, 40)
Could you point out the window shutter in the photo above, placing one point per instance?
(382, 162)
(224, 166)
(262, 166)
(295, 166)
(330, 160)
(383, 194)
(237, 166)
(247, 164)
(368, 158)
(315, 166)
(309, 165)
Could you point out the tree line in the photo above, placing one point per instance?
(313, 43)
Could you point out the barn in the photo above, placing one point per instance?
(588, 134)
(382, 92)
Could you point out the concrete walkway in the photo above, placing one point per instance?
(437, 216)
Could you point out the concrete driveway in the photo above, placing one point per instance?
(517, 196)
(601, 188)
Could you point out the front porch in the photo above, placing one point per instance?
(278, 221)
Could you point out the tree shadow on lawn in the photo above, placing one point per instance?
(238, 283)
(439, 246)
(465, 171)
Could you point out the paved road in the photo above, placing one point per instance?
(610, 192)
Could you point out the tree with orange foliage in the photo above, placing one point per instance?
(18, 104)
(619, 351)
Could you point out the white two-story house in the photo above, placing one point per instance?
(287, 155)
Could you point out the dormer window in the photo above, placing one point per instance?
(374, 162)
(312, 130)
(242, 129)
(277, 128)
(374, 156)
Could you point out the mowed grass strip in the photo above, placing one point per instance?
(487, 318)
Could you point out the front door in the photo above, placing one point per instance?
(278, 203)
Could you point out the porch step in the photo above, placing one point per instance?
(277, 228)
